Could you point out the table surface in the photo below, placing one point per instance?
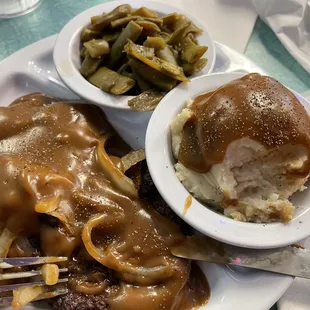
(263, 48)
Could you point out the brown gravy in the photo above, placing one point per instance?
(53, 161)
(253, 106)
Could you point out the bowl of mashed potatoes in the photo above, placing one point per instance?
(231, 155)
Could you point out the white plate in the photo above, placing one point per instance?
(297, 297)
(207, 221)
(67, 51)
(31, 70)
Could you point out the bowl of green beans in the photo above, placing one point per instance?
(126, 57)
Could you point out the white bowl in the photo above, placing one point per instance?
(161, 165)
(67, 52)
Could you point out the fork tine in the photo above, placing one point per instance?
(6, 263)
(7, 301)
(11, 287)
(26, 274)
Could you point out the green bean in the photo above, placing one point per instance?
(182, 32)
(111, 37)
(110, 81)
(123, 21)
(180, 21)
(190, 69)
(165, 35)
(167, 55)
(83, 52)
(105, 20)
(154, 77)
(155, 42)
(131, 32)
(170, 19)
(97, 48)
(143, 84)
(146, 101)
(148, 26)
(94, 19)
(191, 52)
(161, 49)
(88, 34)
(193, 38)
(145, 12)
(140, 52)
(89, 65)
(174, 52)
(157, 21)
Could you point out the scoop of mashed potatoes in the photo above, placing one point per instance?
(244, 168)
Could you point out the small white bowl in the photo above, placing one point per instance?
(67, 52)
(67, 62)
(161, 162)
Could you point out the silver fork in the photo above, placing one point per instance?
(7, 263)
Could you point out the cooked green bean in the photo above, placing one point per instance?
(155, 42)
(83, 52)
(145, 12)
(157, 21)
(131, 32)
(154, 77)
(165, 35)
(111, 37)
(161, 49)
(156, 63)
(180, 21)
(123, 21)
(143, 84)
(193, 38)
(190, 69)
(170, 19)
(105, 20)
(94, 19)
(148, 26)
(89, 65)
(97, 48)
(174, 52)
(182, 32)
(146, 101)
(167, 55)
(191, 52)
(110, 81)
(88, 34)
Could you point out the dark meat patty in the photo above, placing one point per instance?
(78, 301)
(149, 192)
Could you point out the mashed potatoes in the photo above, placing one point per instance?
(252, 182)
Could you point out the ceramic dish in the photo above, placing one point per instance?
(31, 70)
(161, 165)
(67, 52)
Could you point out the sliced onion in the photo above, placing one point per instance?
(115, 175)
(132, 158)
(6, 240)
(47, 205)
(25, 295)
(109, 257)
